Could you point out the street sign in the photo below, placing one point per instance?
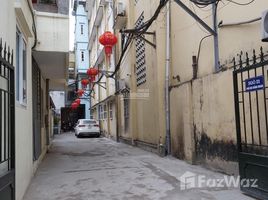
(253, 84)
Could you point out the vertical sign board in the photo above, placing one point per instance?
(255, 83)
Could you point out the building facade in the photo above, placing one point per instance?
(37, 37)
(175, 83)
(100, 13)
(81, 48)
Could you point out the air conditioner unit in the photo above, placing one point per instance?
(120, 16)
(120, 9)
(264, 26)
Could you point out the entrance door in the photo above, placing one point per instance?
(37, 99)
(7, 125)
(250, 92)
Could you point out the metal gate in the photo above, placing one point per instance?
(250, 79)
(7, 124)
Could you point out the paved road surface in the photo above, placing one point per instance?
(101, 169)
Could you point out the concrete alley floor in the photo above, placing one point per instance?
(101, 169)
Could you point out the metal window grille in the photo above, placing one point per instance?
(140, 55)
(111, 110)
(105, 111)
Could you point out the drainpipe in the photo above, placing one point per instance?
(167, 71)
(216, 38)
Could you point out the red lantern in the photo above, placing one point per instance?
(80, 92)
(78, 101)
(92, 79)
(92, 73)
(108, 40)
(74, 105)
(84, 82)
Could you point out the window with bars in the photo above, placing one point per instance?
(140, 55)
(126, 111)
(82, 29)
(111, 110)
(105, 111)
(101, 112)
(82, 56)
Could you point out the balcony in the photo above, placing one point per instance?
(97, 10)
(52, 49)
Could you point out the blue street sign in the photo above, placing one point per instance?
(253, 84)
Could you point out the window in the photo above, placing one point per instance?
(105, 111)
(140, 55)
(82, 29)
(126, 111)
(101, 112)
(111, 110)
(82, 56)
(21, 69)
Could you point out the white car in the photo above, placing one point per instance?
(87, 127)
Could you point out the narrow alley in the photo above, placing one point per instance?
(101, 169)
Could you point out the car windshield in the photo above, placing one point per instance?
(88, 122)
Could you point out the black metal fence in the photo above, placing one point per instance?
(250, 79)
(7, 122)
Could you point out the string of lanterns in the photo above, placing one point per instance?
(108, 40)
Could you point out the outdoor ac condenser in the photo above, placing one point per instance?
(264, 26)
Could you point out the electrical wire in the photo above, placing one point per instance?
(132, 33)
(204, 2)
(136, 32)
(199, 47)
(241, 4)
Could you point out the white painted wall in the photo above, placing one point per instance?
(58, 98)
(52, 32)
(25, 166)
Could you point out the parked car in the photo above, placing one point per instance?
(87, 127)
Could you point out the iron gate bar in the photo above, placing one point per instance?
(5, 112)
(237, 111)
(264, 94)
(7, 120)
(8, 88)
(1, 123)
(257, 145)
(250, 111)
(243, 99)
(257, 96)
(251, 67)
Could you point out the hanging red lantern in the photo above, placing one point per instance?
(84, 82)
(92, 79)
(108, 40)
(78, 101)
(92, 73)
(80, 92)
(74, 105)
